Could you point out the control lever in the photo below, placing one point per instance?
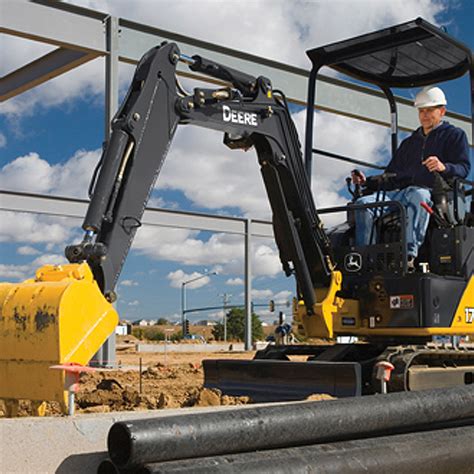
(357, 192)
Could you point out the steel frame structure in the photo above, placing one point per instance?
(81, 35)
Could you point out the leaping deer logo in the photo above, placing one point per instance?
(353, 262)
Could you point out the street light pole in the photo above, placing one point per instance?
(183, 305)
(226, 298)
(183, 297)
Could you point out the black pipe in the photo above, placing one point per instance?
(434, 452)
(133, 443)
(107, 467)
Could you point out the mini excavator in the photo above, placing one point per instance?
(341, 289)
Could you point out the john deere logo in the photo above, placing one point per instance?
(353, 262)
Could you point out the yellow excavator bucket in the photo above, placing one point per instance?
(59, 316)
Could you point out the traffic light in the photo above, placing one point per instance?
(272, 306)
(186, 327)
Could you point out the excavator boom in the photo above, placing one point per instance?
(74, 314)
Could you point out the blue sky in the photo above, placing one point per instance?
(50, 140)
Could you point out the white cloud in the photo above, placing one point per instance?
(178, 277)
(289, 27)
(267, 294)
(262, 294)
(134, 303)
(225, 178)
(14, 272)
(266, 261)
(216, 316)
(234, 282)
(224, 252)
(128, 283)
(28, 173)
(31, 173)
(283, 296)
(27, 250)
(23, 227)
(22, 272)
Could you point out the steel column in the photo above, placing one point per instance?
(111, 73)
(248, 285)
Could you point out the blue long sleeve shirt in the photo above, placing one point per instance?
(447, 142)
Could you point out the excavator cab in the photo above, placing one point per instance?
(409, 55)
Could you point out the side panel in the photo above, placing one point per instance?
(414, 306)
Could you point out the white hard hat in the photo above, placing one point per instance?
(430, 97)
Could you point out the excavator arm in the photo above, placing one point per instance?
(251, 115)
(67, 309)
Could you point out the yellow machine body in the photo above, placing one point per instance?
(326, 322)
(321, 322)
(59, 316)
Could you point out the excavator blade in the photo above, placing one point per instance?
(60, 316)
(280, 380)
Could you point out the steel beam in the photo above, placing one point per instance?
(83, 29)
(41, 70)
(67, 207)
(49, 24)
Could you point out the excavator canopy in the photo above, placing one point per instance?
(412, 54)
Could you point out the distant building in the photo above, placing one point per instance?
(144, 322)
(123, 330)
(205, 322)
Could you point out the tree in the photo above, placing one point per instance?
(162, 322)
(236, 326)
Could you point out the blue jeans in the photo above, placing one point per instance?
(417, 217)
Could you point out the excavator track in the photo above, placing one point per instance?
(424, 367)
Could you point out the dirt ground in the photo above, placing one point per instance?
(173, 380)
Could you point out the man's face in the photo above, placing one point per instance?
(431, 116)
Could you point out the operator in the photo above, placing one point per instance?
(436, 146)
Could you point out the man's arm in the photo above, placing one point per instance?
(458, 163)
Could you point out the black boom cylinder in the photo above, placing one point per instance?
(240, 80)
(111, 160)
(133, 443)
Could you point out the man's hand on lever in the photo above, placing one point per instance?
(433, 163)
